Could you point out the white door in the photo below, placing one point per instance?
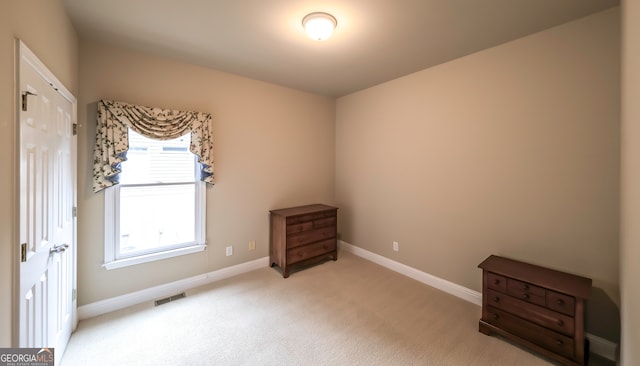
(47, 201)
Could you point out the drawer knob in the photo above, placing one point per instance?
(496, 299)
(495, 316)
(525, 287)
(560, 302)
(560, 322)
(559, 342)
(496, 281)
(526, 296)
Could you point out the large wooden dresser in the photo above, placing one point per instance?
(539, 308)
(302, 236)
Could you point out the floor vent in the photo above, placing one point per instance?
(169, 299)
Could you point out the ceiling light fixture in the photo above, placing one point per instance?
(319, 26)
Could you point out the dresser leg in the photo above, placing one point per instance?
(483, 328)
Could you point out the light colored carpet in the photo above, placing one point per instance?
(348, 312)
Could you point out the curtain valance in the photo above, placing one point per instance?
(112, 137)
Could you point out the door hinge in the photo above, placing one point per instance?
(74, 212)
(75, 129)
(23, 252)
(74, 294)
(25, 96)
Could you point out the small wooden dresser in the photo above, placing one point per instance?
(302, 235)
(539, 308)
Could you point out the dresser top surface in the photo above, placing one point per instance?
(554, 280)
(302, 210)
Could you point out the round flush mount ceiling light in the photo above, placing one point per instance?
(319, 26)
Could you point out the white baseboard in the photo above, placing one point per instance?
(449, 287)
(603, 347)
(149, 294)
(598, 345)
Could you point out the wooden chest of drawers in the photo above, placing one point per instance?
(537, 307)
(302, 235)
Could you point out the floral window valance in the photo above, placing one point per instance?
(112, 137)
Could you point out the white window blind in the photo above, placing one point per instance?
(154, 161)
(159, 204)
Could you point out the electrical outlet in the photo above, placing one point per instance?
(229, 251)
(252, 245)
(395, 246)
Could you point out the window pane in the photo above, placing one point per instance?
(156, 161)
(154, 217)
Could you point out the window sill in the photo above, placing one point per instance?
(154, 257)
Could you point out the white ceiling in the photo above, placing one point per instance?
(375, 41)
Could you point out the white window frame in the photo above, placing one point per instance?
(111, 231)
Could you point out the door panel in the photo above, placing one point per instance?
(47, 197)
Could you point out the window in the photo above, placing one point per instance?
(158, 209)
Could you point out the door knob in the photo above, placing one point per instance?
(59, 248)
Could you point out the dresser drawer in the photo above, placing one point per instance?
(309, 251)
(308, 237)
(541, 336)
(560, 302)
(298, 227)
(497, 282)
(534, 313)
(310, 225)
(310, 217)
(323, 222)
(527, 292)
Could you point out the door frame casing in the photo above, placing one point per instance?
(22, 51)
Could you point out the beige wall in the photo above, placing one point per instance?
(47, 31)
(274, 148)
(630, 194)
(511, 151)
